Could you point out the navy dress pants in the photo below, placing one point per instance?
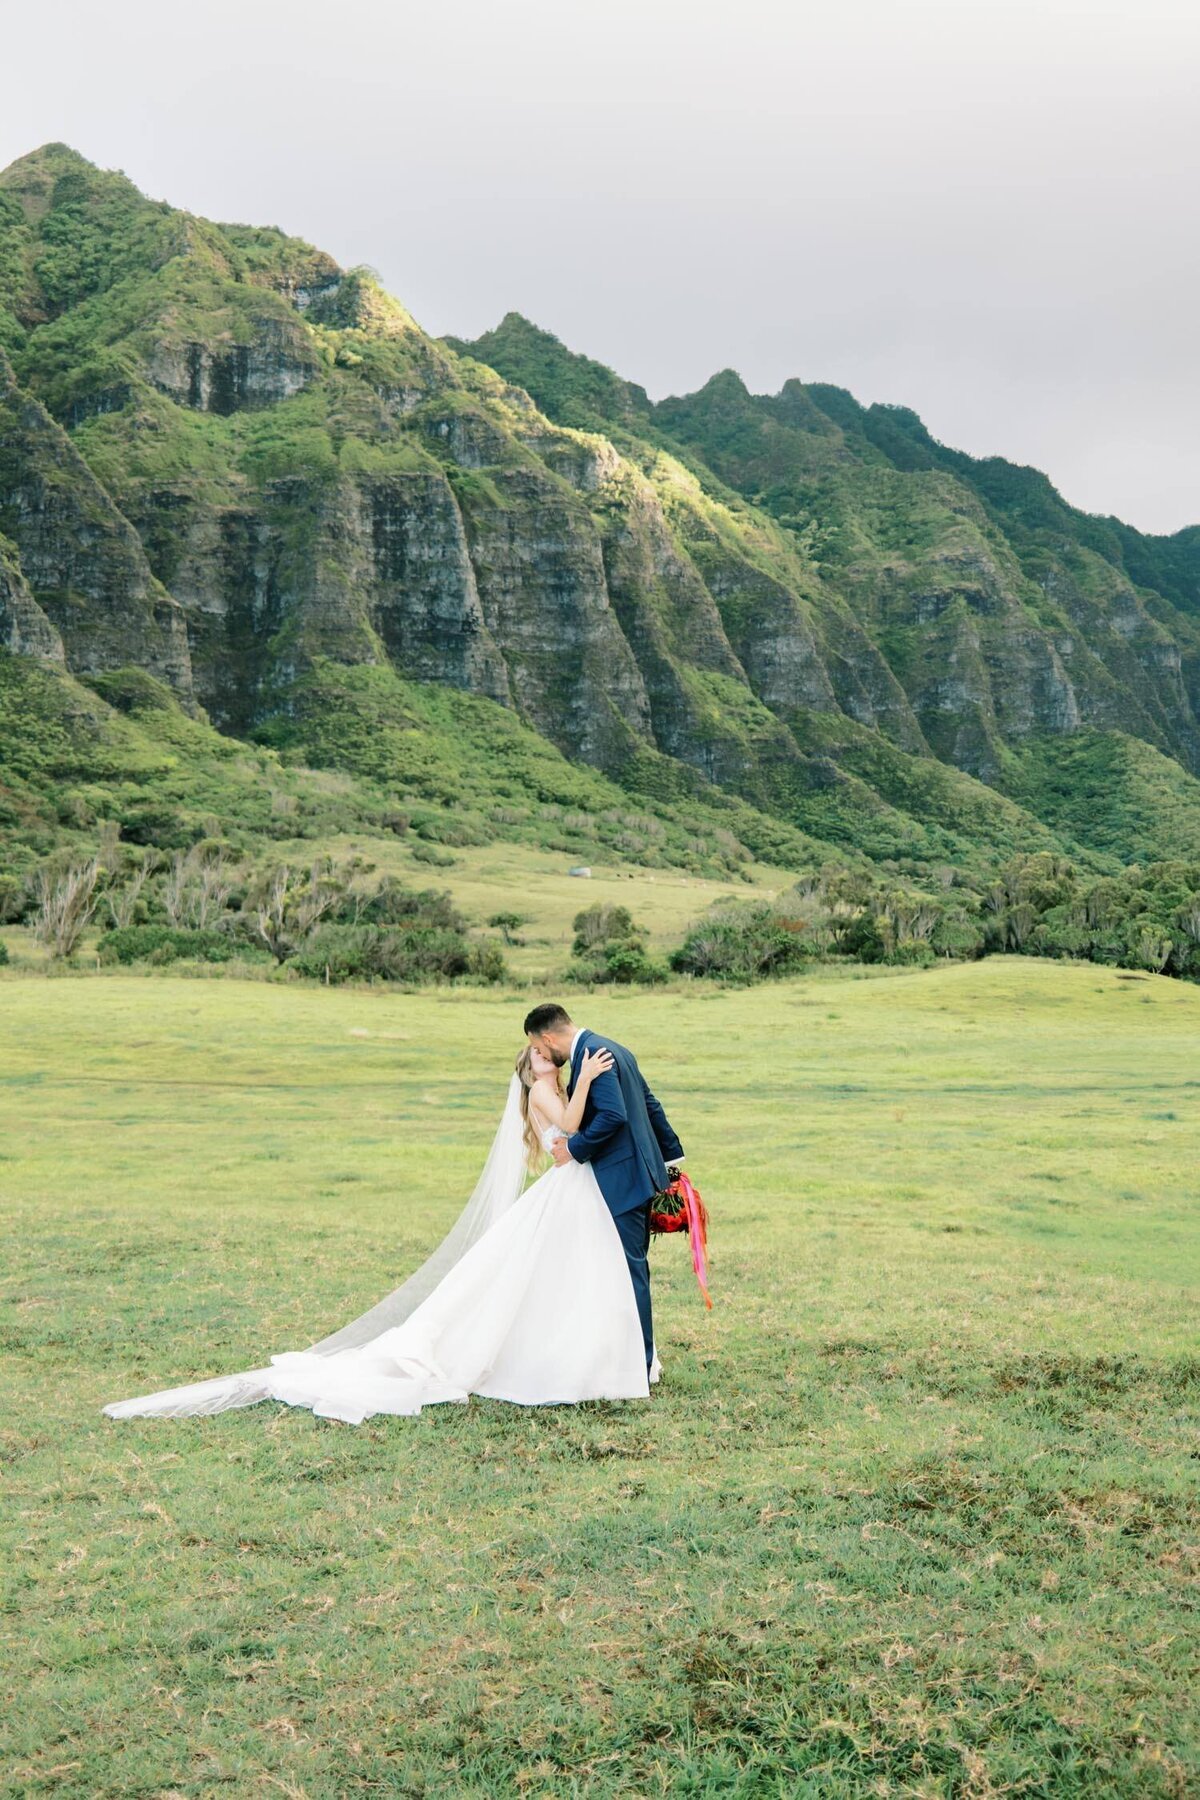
(633, 1228)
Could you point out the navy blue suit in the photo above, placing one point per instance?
(628, 1141)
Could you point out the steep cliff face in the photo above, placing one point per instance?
(981, 608)
(801, 647)
(24, 628)
(275, 363)
(230, 462)
(1002, 610)
(426, 606)
(309, 476)
(81, 558)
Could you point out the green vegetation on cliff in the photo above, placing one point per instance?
(494, 577)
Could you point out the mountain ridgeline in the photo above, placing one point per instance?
(496, 572)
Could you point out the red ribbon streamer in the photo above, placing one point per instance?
(697, 1230)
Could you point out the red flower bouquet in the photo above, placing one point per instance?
(680, 1208)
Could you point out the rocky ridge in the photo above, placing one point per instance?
(229, 462)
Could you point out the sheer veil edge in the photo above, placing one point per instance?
(498, 1187)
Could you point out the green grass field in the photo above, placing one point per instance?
(914, 1511)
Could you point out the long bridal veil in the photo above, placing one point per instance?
(498, 1187)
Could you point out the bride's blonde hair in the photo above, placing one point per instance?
(534, 1153)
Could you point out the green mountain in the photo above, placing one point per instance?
(482, 576)
(1002, 612)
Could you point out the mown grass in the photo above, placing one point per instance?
(913, 1513)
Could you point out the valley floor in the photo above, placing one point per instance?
(914, 1512)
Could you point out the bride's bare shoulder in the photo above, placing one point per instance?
(545, 1098)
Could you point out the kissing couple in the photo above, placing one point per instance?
(539, 1295)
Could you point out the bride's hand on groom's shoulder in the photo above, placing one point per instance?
(596, 1062)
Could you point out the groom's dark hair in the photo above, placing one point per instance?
(550, 1016)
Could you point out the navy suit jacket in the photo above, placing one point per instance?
(624, 1135)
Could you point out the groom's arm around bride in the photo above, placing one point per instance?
(607, 1111)
(622, 1121)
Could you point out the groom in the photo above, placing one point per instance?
(624, 1135)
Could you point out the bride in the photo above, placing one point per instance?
(528, 1298)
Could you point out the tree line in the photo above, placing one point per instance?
(339, 920)
(329, 919)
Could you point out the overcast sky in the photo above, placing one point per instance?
(982, 209)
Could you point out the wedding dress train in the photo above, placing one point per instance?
(528, 1299)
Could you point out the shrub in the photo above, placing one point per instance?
(66, 898)
(167, 943)
(487, 963)
(448, 827)
(1141, 918)
(957, 934)
(197, 886)
(629, 964)
(608, 946)
(124, 898)
(622, 964)
(604, 925)
(341, 953)
(3, 953)
(417, 953)
(14, 899)
(394, 904)
(742, 943)
(288, 906)
(133, 691)
(861, 939)
(154, 825)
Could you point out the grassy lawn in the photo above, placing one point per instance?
(913, 1513)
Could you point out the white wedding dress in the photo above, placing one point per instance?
(528, 1299)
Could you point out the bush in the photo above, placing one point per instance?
(429, 853)
(133, 691)
(167, 943)
(448, 826)
(956, 934)
(742, 943)
(155, 826)
(14, 899)
(861, 939)
(394, 904)
(623, 964)
(604, 925)
(3, 953)
(487, 963)
(1142, 918)
(66, 894)
(418, 954)
(608, 946)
